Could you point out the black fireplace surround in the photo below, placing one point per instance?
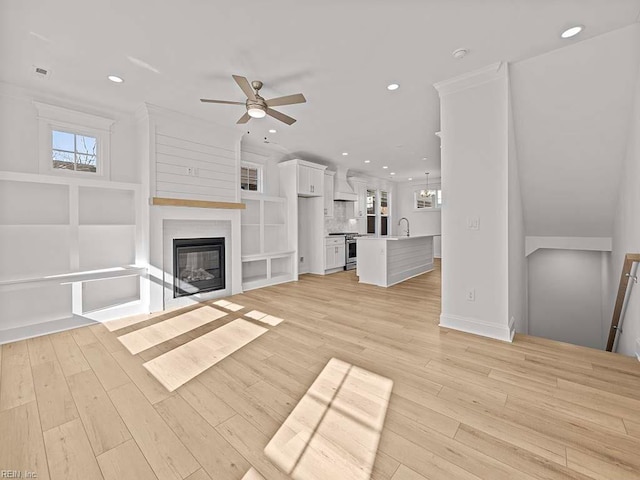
(198, 266)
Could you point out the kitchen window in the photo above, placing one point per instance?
(251, 177)
(378, 212)
(425, 200)
(371, 211)
(384, 213)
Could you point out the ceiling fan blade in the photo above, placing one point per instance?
(244, 118)
(281, 116)
(286, 100)
(243, 83)
(208, 100)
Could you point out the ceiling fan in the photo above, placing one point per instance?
(258, 107)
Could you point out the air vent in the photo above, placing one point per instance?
(41, 72)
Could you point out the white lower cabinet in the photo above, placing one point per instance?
(334, 253)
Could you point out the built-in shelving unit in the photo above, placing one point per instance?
(266, 257)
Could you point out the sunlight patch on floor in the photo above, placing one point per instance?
(178, 366)
(264, 318)
(234, 307)
(252, 474)
(335, 429)
(173, 327)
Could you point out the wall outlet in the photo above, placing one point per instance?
(471, 295)
(473, 223)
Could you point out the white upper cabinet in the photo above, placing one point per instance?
(328, 193)
(310, 181)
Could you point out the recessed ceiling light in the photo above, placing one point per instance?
(460, 53)
(345, 153)
(410, 178)
(367, 161)
(392, 173)
(424, 158)
(272, 130)
(393, 86)
(572, 32)
(115, 78)
(385, 167)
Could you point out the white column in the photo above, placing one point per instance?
(475, 213)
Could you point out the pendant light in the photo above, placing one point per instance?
(426, 193)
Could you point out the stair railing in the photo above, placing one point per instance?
(629, 260)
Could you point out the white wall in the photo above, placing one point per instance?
(474, 125)
(19, 134)
(422, 222)
(517, 259)
(626, 233)
(565, 296)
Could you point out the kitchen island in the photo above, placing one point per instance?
(385, 261)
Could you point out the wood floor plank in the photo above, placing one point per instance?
(177, 367)
(632, 428)
(166, 454)
(55, 403)
(104, 366)
(108, 339)
(147, 383)
(41, 350)
(104, 426)
(69, 453)
(173, 327)
(206, 403)
(250, 442)
(83, 336)
(405, 473)
(201, 439)
(69, 355)
(125, 462)
(21, 444)
(199, 475)
(16, 387)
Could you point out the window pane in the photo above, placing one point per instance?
(85, 163)
(85, 144)
(249, 178)
(384, 204)
(371, 224)
(383, 226)
(371, 202)
(62, 141)
(63, 160)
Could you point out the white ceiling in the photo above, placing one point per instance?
(340, 54)
(572, 111)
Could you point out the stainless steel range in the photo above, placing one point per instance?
(351, 249)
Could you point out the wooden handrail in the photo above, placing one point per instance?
(629, 260)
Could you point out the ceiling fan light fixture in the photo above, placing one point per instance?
(256, 112)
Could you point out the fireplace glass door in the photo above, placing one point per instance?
(198, 266)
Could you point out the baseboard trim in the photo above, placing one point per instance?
(43, 328)
(478, 327)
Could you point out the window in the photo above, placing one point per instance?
(427, 199)
(251, 177)
(384, 213)
(73, 142)
(371, 211)
(72, 151)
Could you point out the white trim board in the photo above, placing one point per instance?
(479, 327)
(600, 244)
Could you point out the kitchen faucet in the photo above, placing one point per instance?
(400, 221)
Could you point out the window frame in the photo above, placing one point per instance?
(52, 117)
(434, 208)
(259, 177)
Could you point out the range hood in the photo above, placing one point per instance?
(342, 191)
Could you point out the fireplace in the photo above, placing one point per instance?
(198, 266)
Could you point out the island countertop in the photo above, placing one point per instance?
(394, 237)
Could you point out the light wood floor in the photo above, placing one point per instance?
(79, 405)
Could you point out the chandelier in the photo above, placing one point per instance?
(426, 193)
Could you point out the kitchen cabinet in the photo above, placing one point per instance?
(310, 181)
(334, 253)
(328, 193)
(360, 205)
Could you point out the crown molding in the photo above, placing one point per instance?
(472, 79)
